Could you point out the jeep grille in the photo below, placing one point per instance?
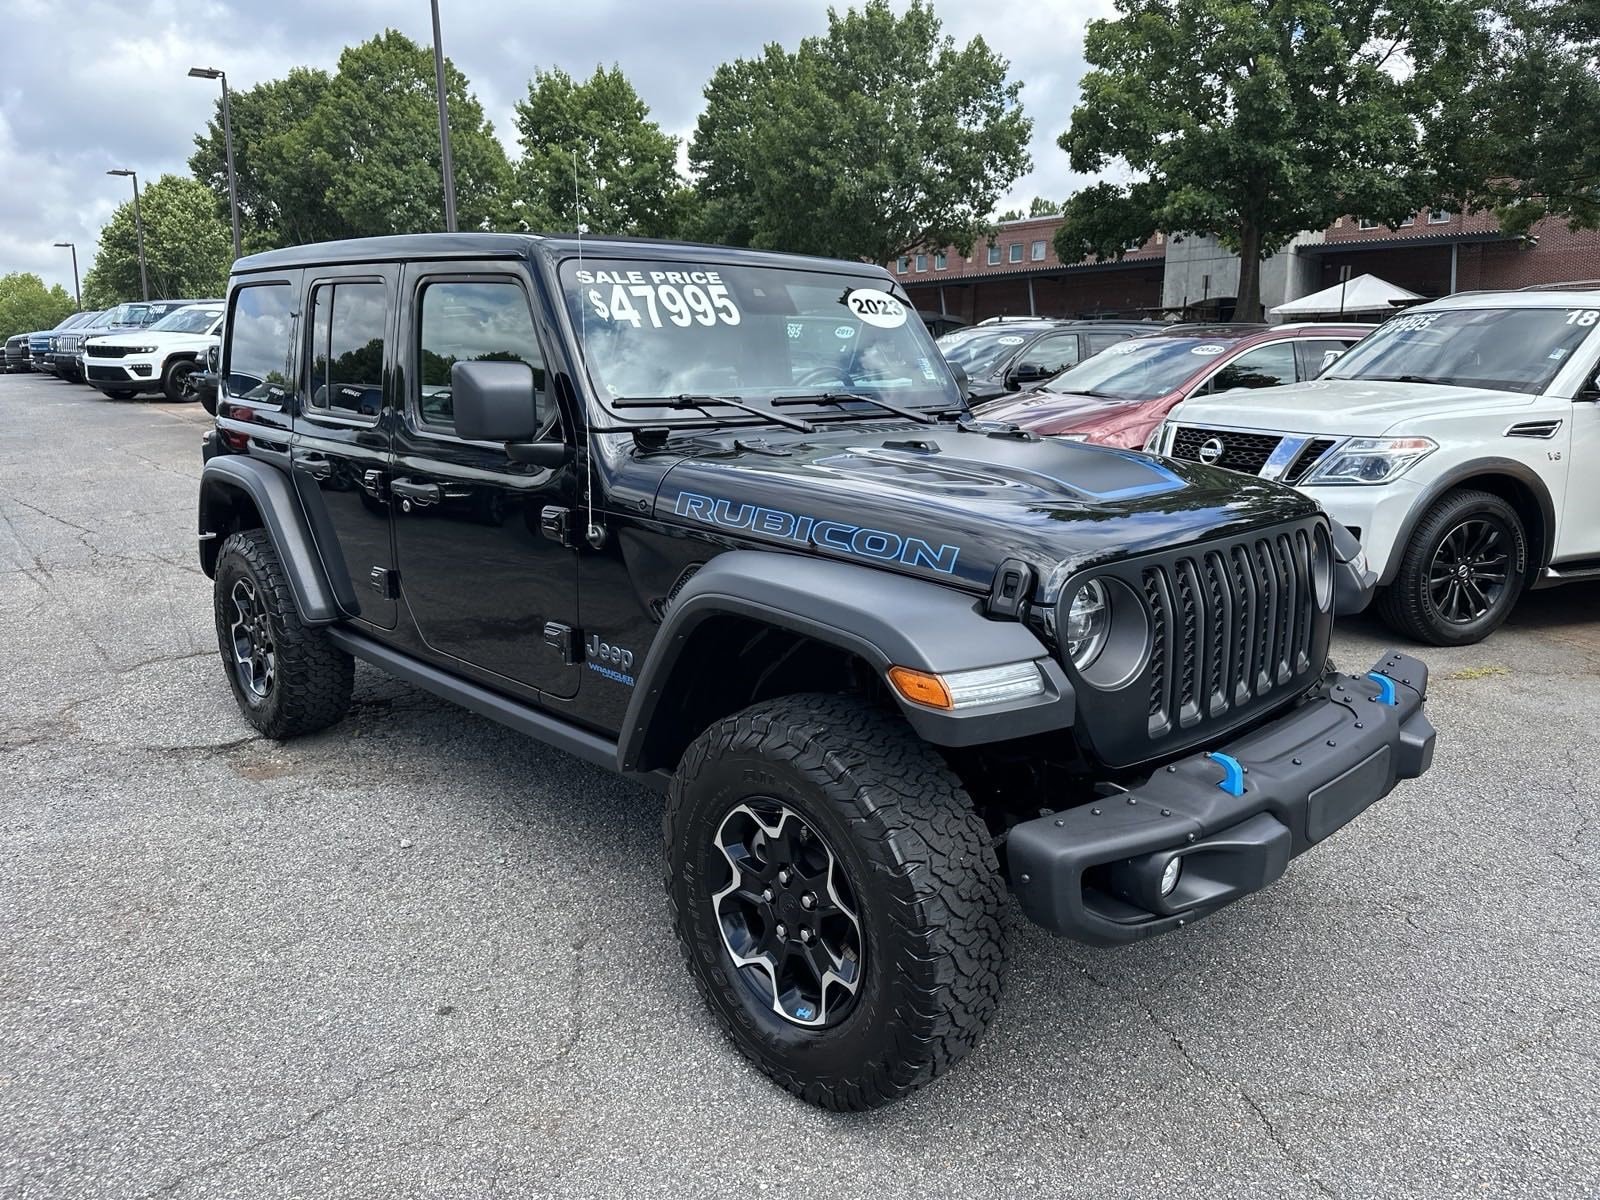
(1235, 630)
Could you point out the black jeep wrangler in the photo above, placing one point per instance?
(887, 662)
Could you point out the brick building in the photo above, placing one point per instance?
(1434, 254)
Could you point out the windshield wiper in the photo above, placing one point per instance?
(1397, 378)
(842, 398)
(701, 401)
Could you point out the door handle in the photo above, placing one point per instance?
(420, 493)
(318, 467)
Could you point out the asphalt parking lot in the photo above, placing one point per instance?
(419, 955)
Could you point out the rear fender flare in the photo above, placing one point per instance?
(269, 491)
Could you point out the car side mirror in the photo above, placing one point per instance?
(500, 402)
(1591, 390)
(1028, 372)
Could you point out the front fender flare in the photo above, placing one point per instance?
(884, 618)
(281, 516)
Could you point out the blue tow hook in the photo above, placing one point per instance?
(1232, 773)
(1386, 689)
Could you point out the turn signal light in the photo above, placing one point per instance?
(920, 687)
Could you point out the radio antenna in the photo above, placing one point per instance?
(594, 532)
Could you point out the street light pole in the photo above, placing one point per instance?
(445, 164)
(76, 290)
(227, 141)
(138, 227)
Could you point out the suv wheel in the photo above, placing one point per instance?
(837, 899)
(287, 678)
(177, 381)
(1462, 571)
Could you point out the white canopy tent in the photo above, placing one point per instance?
(1363, 294)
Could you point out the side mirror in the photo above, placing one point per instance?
(1028, 372)
(499, 402)
(1591, 390)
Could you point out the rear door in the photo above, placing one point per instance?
(480, 577)
(341, 429)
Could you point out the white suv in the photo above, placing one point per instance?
(1446, 441)
(160, 357)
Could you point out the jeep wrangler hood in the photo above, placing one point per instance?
(952, 505)
(1346, 407)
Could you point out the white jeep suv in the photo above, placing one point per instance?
(1460, 442)
(160, 357)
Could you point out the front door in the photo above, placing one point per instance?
(341, 433)
(479, 576)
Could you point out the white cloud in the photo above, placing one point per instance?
(117, 93)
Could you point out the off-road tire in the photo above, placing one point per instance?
(174, 381)
(1406, 606)
(922, 868)
(313, 678)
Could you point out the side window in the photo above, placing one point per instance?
(1317, 355)
(1054, 353)
(470, 322)
(348, 321)
(260, 340)
(1101, 341)
(1265, 366)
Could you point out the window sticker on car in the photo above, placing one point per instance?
(845, 332)
(1583, 316)
(1413, 321)
(1011, 339)
(876, 308)
(1208, 350)
(660, 298)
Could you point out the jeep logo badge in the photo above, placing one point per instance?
(605, 652)
(1211, 449)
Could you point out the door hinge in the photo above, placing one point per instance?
(555, 523)
(566, 639)
(386, 582)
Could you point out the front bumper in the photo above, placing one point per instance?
(1379, 512)
(1093, 873)
(134, 370)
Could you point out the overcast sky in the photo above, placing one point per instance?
(87, 85)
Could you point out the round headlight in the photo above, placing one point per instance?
(1088, 623)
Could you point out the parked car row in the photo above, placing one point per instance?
(128, 350)
(1444, 439)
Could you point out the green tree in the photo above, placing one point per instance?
(280, 202)
(874, 139)
(593, 140)
(187, 246)
(1524, 139)
(372, 143)
(1256, 119)
(27, 305)
(356, 153)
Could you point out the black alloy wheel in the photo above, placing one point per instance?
(1461, 573)
(1470, 569)
(178, 384)
(788, 914)
(255, 659)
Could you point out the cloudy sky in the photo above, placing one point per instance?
(88, 85)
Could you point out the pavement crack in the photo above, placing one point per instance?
(362, 1085)
(1268, 1125)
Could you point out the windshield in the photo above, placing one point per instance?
(126, 314)
(1141, 369)
(187, 320)
(658, 330)
(980, 351)
(1502, 349)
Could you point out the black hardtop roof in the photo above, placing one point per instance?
(409, 246)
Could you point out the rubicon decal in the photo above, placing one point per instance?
(858, 540)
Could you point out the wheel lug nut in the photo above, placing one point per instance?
(808, 901)
(782, 930)
(805, 935)
(783, 877)
(766, 894)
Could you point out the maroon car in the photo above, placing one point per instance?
(1119, 396)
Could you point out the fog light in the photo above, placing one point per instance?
(1169, 877)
